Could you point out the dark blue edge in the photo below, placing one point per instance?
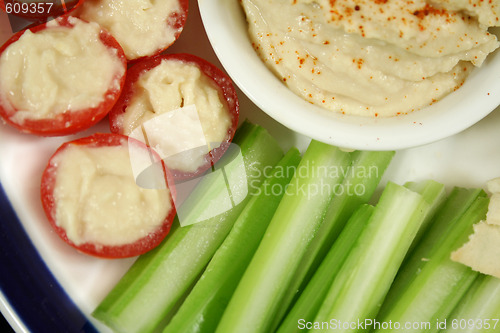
(28, 285)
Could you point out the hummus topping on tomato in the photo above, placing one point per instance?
(98, 200)
(372, 57)
(57, 69)
(141, 27)
(171, 85)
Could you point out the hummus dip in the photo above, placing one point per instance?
(372, 57)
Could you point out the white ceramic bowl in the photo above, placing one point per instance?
(226, 28)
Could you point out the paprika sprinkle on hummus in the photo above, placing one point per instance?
(372, 57)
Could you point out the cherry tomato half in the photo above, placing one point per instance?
(70, 121)
(111, 197)
(226, 92)
(142, 28)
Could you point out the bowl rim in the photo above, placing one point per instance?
(225, 23)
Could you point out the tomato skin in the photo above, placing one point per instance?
(222, 81)
(71, 121)
(140, 246)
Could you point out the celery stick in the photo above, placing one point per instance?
(442, 224)
(479, 309)
(158, 280)
(434, 193)
(257, 298)
(365, 277)
(358, 186)
(309, 302)
(203, 308)
(431, 295)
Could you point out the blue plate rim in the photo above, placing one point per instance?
(29, 289)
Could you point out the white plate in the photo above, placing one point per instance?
(227, 30)
(467, 159)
